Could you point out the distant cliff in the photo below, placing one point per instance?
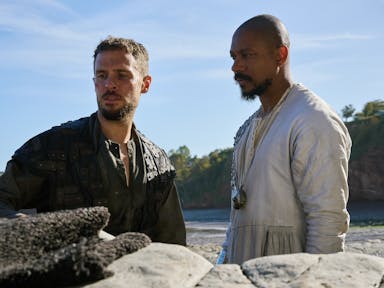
(204, 182)
(366, 167)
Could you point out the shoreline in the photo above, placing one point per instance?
(207, 242)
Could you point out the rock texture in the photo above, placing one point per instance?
(60, 248)
(162, 265)
(365, 178)
(311, 270)
(169, 266)
(158, 265)
(225, 276)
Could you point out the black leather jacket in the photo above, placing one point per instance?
(73, 165)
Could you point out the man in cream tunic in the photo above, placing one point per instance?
(290, 159)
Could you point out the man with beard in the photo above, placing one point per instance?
(290, 158)
(101, 160)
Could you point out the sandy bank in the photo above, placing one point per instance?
(366, 240)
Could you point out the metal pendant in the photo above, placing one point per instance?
(239, 199)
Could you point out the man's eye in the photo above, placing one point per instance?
(248, 55)
(101, 76)
(123, 76)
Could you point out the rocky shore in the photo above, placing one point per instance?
(367, 240)
(60, 249)
(167, 266)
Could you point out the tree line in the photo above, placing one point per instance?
(204, 182)
(370, 109)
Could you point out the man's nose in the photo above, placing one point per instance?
(110, 83)
(238, 65)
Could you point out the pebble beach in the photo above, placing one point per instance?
(206, 239)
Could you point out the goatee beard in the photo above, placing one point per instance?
(257, 91)
(121, 114)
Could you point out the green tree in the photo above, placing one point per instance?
(202, 181)
(370, 109)
(181, 159)
(347, 112)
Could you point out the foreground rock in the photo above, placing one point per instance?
(310, 270)
(158, 265)
(162, 265)
(225, 276)
(60, 248)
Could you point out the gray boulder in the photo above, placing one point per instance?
(225, 276)
(164, 265)
(316, 270)
(157, 265)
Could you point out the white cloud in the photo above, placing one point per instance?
(300, 41)
(29, 17)
(63, 48)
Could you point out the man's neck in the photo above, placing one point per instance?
(274, 94)
(116, 131)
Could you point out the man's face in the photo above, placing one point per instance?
(118, 84)
(254, 65)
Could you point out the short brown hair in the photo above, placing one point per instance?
(137, 50)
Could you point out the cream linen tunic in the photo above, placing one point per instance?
(296, 186)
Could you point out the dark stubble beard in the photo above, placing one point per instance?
(121, 114)
(256, 91)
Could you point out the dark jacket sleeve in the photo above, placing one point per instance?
(8, 193)
(18, 189)
(170, 227)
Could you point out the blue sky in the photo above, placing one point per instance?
(46, 62)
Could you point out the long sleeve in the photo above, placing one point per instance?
(18, 189)
(320, 154)
(170, 227)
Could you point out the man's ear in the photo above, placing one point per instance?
(146, 83)
(283, 55)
